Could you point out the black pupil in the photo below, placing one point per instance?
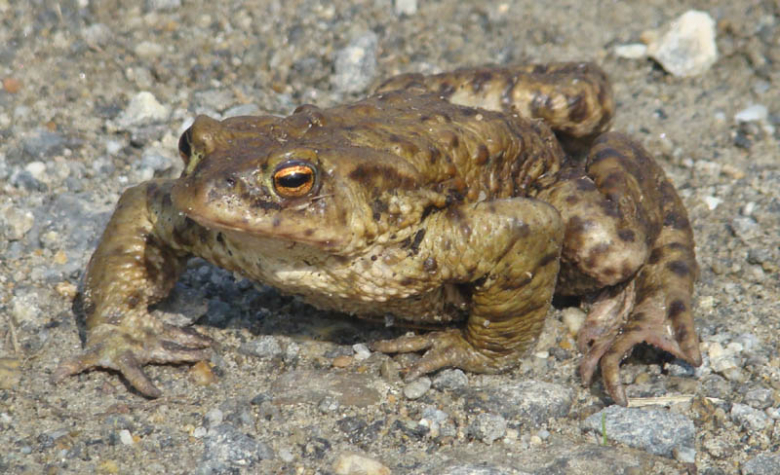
(184, 143)
(293, 180)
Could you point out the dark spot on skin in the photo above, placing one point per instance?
(482, 155)
(373, 174)
(308, 232)
(454, 141)
(522, 230)
(430, 265)
(548, 259)
(427, 211)
(676, 220)
(613, 180)
(603, 154)
(406, 282)
(508, 284)
(572, 199)
(627, 235)
(480, 79)
(585, 184)
(468, 112)
(596, 253)
(277, 221)
(435, 154)
(676, 308)
(539, 69)
(425, 118)
(610, 208)
(679, 268)
(374, 258)
(638, 317)
(418, 237)
(655, 256)
(394, 138)
(133, 300)
(681, 332)
(446, 89)
(578, 108)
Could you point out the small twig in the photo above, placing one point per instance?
(666, 400)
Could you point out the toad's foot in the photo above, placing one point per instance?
(444, 349)
(128, 350)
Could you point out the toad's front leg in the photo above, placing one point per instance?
(132, 268)
(507, 251)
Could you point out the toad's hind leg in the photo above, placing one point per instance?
(629, 241)
(506, 253)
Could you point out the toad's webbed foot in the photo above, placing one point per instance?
(127, 350)
(442, 349)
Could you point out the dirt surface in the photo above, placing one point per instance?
(286, 392)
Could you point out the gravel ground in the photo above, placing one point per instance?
(94, 97)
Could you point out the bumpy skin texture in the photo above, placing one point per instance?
(443, 200)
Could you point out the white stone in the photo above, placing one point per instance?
(143, 108)
(356, 464)
(754, 113)
(712, 202)
(126, 437)
(405, 7)
(688, 47)
(631, 51)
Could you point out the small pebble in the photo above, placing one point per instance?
(12, 85)
(10, 373)
(451, 379)
(361, 351)
(405, 7)
(688, 47)
(213, 418)
(265, 346)
(574, 319)
(126, 437)
(631, 51)
(143, 109)
(417, 388)
(750, 419)
(356, 464)
(754, 113)
(201, 374)
(489, 427)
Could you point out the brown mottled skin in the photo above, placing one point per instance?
(442, 199)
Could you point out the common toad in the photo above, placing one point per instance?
(464, 199)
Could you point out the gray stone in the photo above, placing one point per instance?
(355, 64)
(762, 464)
(97, 35)
(450, 379)
(752, 420)
(655, 431)
(488, 427)
(688, 47)
(528, 402)
(417, 388)
(759, 398)
(265, 346)
(42, 142)
(310, 386)
(226, 449)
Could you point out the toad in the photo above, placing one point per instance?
(463, 200)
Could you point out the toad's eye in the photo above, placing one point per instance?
(185, 147)
(294, 179)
